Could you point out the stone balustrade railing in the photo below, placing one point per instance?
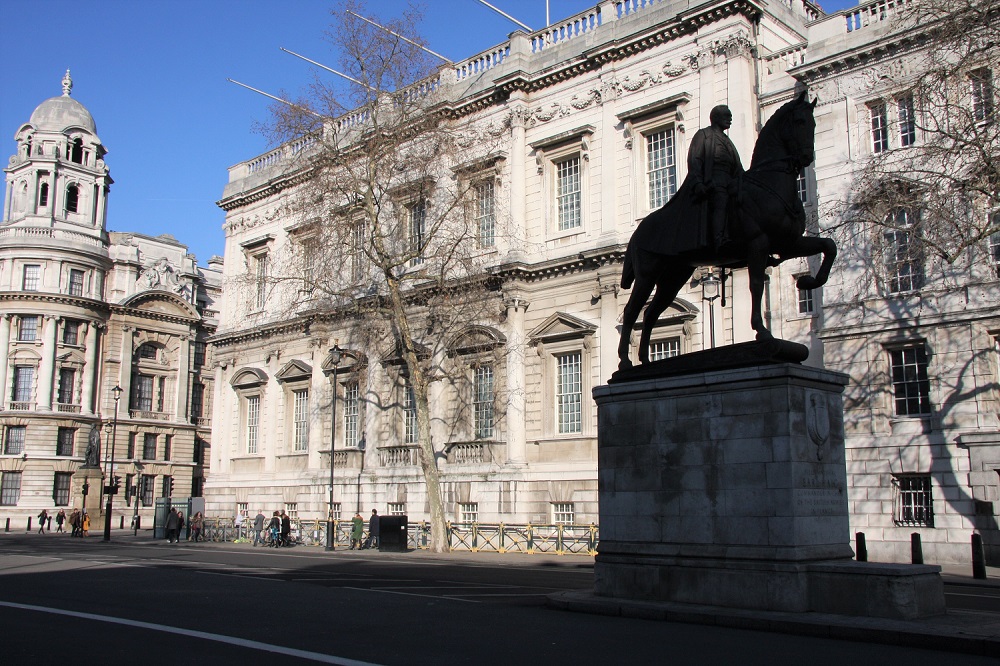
(874, 13)
(48, 232)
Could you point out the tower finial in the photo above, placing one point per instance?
(67, 84)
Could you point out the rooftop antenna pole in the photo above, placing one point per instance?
(332, 71)
(396, 34)
(511, 18)
(277, 99)
(547, 21)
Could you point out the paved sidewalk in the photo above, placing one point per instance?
(970, 632)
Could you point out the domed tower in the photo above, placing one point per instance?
(58, 176)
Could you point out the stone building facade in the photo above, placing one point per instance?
(917, 336)
(615, 94)
(83, 311)
(599, 108)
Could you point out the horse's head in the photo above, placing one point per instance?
(789, 135)
(799, 131)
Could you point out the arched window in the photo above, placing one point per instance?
(76, 151)
(43, 195)
(72, 198)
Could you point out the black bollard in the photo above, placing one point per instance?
(916, 550)
(7, 528)
(29, 525)
(121, 523)
(860, 548)
(978, 558)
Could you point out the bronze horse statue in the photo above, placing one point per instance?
(769, 228)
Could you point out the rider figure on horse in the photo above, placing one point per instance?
(715, 172)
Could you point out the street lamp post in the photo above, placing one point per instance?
(335, 355)
(112, 487)
(710, 288)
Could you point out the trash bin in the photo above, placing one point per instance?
(392, 533)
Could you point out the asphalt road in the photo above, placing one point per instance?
(72, 601)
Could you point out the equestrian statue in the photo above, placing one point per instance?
(725, 217)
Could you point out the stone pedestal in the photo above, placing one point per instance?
(94, 478)
(729, 488)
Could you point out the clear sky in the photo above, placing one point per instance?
(153, 74)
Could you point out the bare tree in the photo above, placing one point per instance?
(394, 223)
(930, 191)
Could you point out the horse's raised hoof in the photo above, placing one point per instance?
(807, 282)
(624, 364)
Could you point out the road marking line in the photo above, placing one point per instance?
(406, 594)
(231, 640)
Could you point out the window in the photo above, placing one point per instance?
(910, 386)
(147, 489)
(75, 150)
(905, 121)
(468, 513)
(43, 195)
(67, 384)
(486, 213)
(32, 277)
(352, 413)
(903, 264)
(75, 282)
(197, 452)
(807, 305)
(253, 423)
(418, 231)
(336, 511)
(148, 446)
(661, 349)
(60, 488)
(130, 451)
(982, 94)
(24, 381)
(147, 352)
(161, 383)
(482, 401)
(661, 167)
(65, 441)
(144, 393)
(568, 194)
(72, 198)
(168, 445)
(562, 513)
(569, 392)
(300, 419)
(28, 331)
(396, 509)
(13, 443)
(880, 127)
(995, 245)
(260, 281)
(358, 251)
(409, 415)
(10, 488)
(199, 353)
(71, 332)
(197, 400)
(802, 187)
(913, 504)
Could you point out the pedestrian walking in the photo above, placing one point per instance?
(42, 517)
(258, 527)
(172, 526)
(60, 519)
(286, 529)
(372, 541)
(76, 522)
(357, 530)
(197, 524)
(180, 524)
(274, 527)
(86, 523)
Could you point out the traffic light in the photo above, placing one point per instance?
(170, 486)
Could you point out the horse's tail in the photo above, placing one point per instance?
(628, 270)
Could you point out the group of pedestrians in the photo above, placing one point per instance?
(358, 531)
(175, 523)
(45, 521)
(279, 529)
